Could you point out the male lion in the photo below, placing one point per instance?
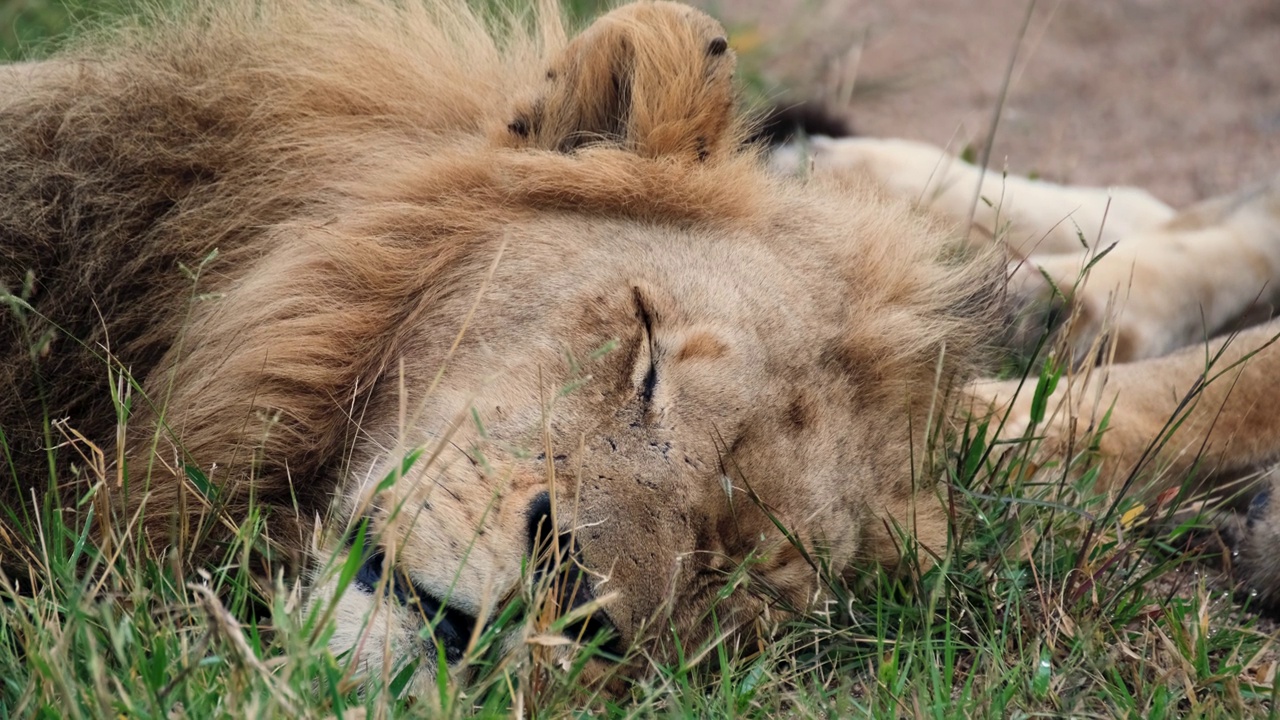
(461, 292)
(305, 255)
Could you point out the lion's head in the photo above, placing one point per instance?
(667, 364)
(519, 292)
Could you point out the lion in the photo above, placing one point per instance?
(1177, 277)
(1029, 217)
(1173, 308)
(455, 287)
(455, 300)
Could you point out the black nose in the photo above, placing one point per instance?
(557, 566)
(539, 524)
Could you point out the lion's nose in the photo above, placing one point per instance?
(558, 569)
(540, 522)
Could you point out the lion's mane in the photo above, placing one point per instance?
(243, 208)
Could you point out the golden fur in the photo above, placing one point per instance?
(1190, 396)
(421, 237)
(1144, 298)
(1029, 217)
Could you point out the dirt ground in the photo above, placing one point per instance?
(1181, 97)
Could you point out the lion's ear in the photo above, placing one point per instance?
(654, 78)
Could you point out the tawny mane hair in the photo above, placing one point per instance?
(244, 207)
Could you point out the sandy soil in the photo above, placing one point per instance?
(1179, 96)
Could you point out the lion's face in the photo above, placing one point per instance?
(494, 297)
(655, 397)
(697, 383)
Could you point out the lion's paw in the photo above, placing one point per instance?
(1103, 313)
(651, 78)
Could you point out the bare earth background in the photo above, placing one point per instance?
(1181, 97)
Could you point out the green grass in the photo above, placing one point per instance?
(1050, 602)
(30, 28)
(1042, 607)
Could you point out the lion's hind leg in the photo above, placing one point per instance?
(1213, 267)
(1203, 418)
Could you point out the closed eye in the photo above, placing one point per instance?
(649, 383)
